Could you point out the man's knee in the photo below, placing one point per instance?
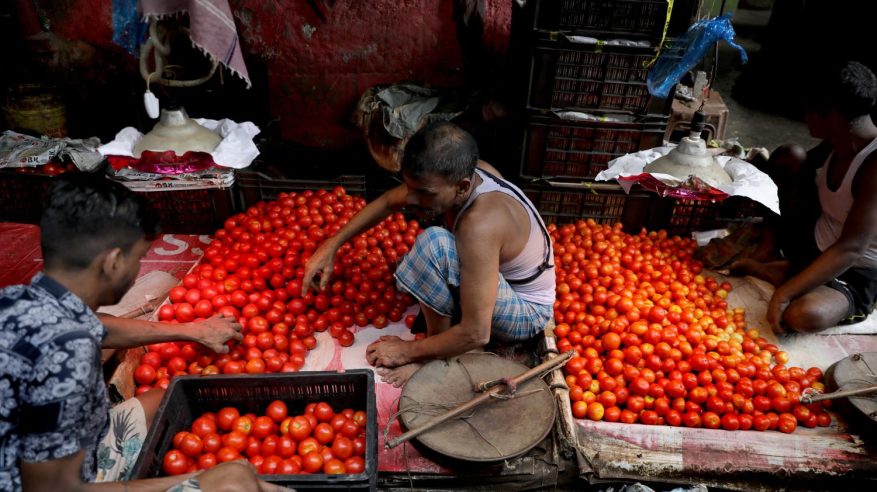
(435, 240)
(786, 160)
(808, 316)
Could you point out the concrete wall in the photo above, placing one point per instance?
(316, 68)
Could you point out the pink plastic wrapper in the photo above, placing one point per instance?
(695, 189)
(167, 162)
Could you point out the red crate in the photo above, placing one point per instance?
(253, 187)
(555, 148)
(22, 196)
(604, 203)
(688, 216)
(191, 211)
(565, 75)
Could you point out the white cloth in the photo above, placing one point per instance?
(236, 150)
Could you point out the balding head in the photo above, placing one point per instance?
(442, 149)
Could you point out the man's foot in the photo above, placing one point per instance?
(398, 376)
(773, 272)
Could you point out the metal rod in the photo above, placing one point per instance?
(807, 399)
(478, 400)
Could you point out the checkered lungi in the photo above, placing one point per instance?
(431, 271)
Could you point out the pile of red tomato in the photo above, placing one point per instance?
(252, 272)
(318, 441)
(656, 342)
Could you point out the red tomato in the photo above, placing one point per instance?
(175, 463)
(277, 411)
(342, 448)
(203, 426)
(334, 467)
(144, 374)
(212, 442)
(324, 433)
(323, 412)
(355, 465)
(312, 462)
(262, 427)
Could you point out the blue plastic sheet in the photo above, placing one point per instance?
(128, 31)
(684, 54)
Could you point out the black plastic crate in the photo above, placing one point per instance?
(253, 187)
(628, 19)
(603, 202)
(583, 77)
(555, 148)
(22, 196)
(190, 396)
(191, 211)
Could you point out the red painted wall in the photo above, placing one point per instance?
(318, 69)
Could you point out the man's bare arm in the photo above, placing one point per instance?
(127, 333)
(479, 239)
(62, 475)
(322, 260)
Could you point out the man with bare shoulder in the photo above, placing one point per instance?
(828, 198)
(487, 273)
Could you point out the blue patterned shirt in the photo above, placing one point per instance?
(53, 400)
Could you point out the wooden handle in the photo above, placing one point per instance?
(483, 397)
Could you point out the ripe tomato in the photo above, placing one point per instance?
(312, 462)
(324, 433)
(355, 465)
(175, 463)
(323, 412)
(342, 447)
(262, 427)
(144, 374)
(334, 467)
(277, 411)
(307, 445)
(203, 426)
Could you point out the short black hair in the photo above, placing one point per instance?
(443, 149)
(87, 214)
(849, 87)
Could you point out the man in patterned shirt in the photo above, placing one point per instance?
(53, 404)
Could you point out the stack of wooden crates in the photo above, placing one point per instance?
(559, 157)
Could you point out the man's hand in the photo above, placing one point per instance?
(320, 262)
(775, 309)
(241, 475)
(216, 331)
(389, 351)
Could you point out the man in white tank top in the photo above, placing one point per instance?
(456, 271)
(829, 275)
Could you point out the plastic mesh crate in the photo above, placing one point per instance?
(566, 75)
(22, 196)
(604, 203)
(569, 149)
(254, 187)
(630, 19)
(688, 216)
(190, 396)
(191, 211)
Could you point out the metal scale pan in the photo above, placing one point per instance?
(499, 429)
